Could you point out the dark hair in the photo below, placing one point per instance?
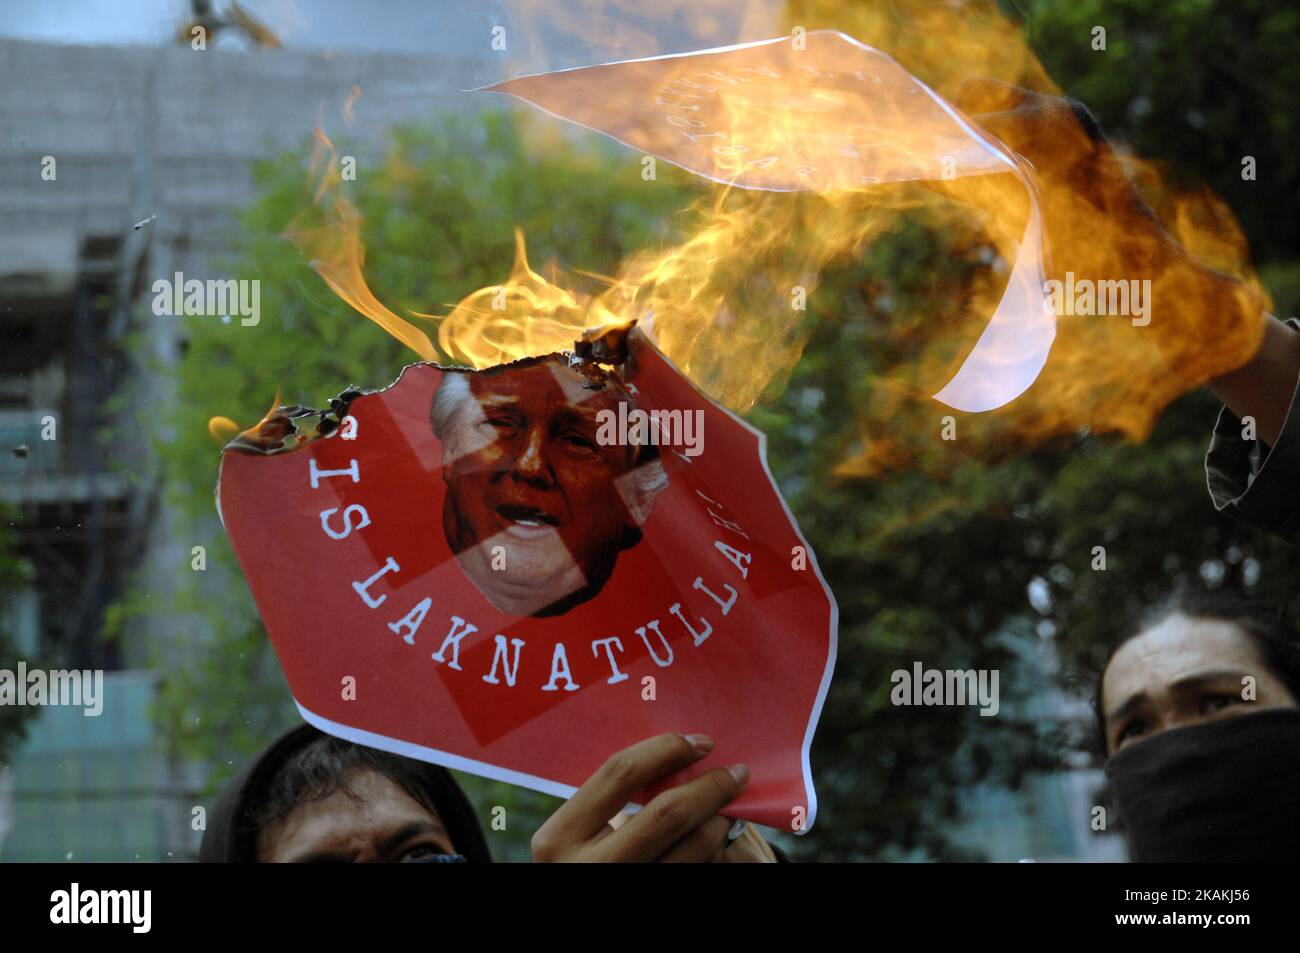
(1274, 638)
(327, 765)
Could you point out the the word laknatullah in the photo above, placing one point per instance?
(507, 650)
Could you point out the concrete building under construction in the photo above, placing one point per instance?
(119, 165)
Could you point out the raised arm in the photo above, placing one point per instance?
(1263, 388)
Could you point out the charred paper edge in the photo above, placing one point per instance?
(587, 352)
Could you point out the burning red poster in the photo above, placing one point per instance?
(819, 112)
(518, 571)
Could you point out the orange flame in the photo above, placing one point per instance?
(353, 95)
(726, 302)
(223, 429)
(338, 255)
(525, 315)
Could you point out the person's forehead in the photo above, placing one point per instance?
(1176, 648)
(370, 806)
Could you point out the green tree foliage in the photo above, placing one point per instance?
(1200, 84)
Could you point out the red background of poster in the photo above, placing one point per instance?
(755, 685)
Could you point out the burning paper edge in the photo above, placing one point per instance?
(981, 383)
(966, 391)
(555, 788)
(986, 376)
(357, 392)
(496, 88)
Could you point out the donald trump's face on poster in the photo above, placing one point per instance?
(537, 509)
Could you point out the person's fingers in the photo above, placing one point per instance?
(614, 784)
(547, 850)
(672, 815)
(701, 844)
(749, 848)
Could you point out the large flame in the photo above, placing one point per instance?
(523, 316)
(725, 302)
(335, 249)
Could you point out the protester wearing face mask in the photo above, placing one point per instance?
(313, 798)
(1197, 769)
(1199, 714)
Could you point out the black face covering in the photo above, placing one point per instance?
(1226, 791)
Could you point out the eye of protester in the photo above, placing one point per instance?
(1134, 729)
(1218, 702)
(420, 852)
